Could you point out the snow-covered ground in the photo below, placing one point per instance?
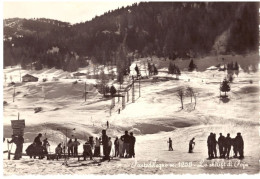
(154, 117)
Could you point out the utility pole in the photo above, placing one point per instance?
(133, 91)
(14, 94)
(85, 91)
(20, 73)
(139, 87)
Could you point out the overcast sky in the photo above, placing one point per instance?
(73, 12)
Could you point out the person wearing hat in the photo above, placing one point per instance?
(105, 145)
(210, 145)
(170, 144)
(227, 144)
(19, 146)
(191, 145)
(132, 145)
(221, 141)
(126, 138)
(240, 145)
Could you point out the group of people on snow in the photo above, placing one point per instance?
(123, 146)
(224, 145)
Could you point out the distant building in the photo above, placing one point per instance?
(29, 78)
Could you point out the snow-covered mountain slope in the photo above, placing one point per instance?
(154, 117)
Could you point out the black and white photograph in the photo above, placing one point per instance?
(130, 87)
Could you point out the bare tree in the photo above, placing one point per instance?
(190, 92)
(195, 99)
(180, 95)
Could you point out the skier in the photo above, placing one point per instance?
(132, 146)
(221, 141)
(170, 144)
(116, 144)
(107, 124)
(75, 147)
(19, 146)
(191, 145)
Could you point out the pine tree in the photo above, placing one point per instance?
(236, 66)
(224, 86)
(170, 68)
(155, 71)
(178, 72)
(103, 81)
(112, 90)
(192, 66)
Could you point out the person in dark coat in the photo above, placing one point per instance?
(107, 124)
(214, 140)
(19, 146)
(234, 145)
(227, 144)
(170, 144)
(132, 145)
(105, 145)
(210, 146)
(58, 151)
(240, 145)
(87, 151)
(221, 141)
(191, 145)
(70, 147)
(91, 142)
(37, 140)
(126, 138)
(116, 144)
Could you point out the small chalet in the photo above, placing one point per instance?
(29, 78)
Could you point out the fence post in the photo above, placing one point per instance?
(123, 102)
(133, 92)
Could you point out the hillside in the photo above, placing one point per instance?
(165, 29)
(153, 117)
